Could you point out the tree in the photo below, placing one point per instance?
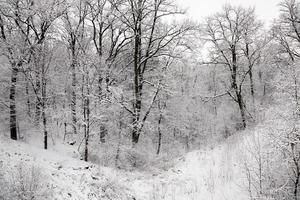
(230, 33)
(150, 40)
(74, 23)
(110, 37)
(23, 27)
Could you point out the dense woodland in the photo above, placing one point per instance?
(130, 82)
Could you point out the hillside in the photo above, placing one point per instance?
(216, 173)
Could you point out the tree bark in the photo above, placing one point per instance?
(252, 85)
(159, 134)
(28, 100)
(43, 104)
(87, 118)
(37, 103)
(237, 89)
(119, 138)
(12, 107)
(137, 75)
(242, 109)
(73, 98)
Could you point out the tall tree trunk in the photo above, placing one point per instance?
(43, 104)
(119, 138)
(237, 89)
(86, 129)
(87, 118)
(73, 97)
(252, 85)
(12, 100)
(250, 73)
(103, 130)
(37, 102)
(45, 127)
(159, 129)
(242, 109)
(137, 76)
(28, 99)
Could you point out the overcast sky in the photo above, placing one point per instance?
(265, 9)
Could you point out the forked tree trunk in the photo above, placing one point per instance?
(12, 107)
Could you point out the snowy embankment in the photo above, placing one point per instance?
(63, 177)
(217, 174)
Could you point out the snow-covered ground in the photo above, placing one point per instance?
(216, 174)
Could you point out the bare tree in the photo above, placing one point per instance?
(229, 32)
(22, 34)
(150, 40)
(110, 38)
(74, 23)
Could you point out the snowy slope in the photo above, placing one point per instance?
(67, 178)
(201, 175)
(216, 174)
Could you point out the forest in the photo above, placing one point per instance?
(135, 100)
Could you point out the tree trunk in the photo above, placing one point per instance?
(86, 128)
(102, 129)
(28, 100)
(159, 134)
(296, 183)
(45, 127)
(237, 89)
(119, 139)
(252, 85)
(250, 72)
(137, 75)
(87, 118)
(12, 107)
(73, 98)
(135, 135)
(242, 109)
(103, 133)
(37, 102)
(43, 104)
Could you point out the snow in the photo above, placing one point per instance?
(68, 178)
(205, 174)
(216, 174)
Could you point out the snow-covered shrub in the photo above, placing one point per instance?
(175, 189)
(23, 183)
(132, 158)
(162, 162)
(108, 189)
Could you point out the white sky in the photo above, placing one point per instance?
(266, 10)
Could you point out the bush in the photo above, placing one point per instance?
(131, 158)
(22, 183)
(110, 189)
